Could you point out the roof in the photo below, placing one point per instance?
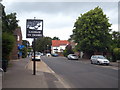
(57, 43)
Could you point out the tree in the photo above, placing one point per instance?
(91, 32)
(116, 38)
(25, 49)
(9, 24)
(25, 43)
(115, 46)
(24, 52)
(43, 44)
(9, 21)
(68, 50)
(12, 22)
(55, 38)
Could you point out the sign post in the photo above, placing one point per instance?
(34, 29)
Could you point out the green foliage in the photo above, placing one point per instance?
(91, 31)
(25, 43)
(24, 52)
(117, 52)
(29, 49)
(55, 38)
(43, 44)
(9, 24)
(68, 50)
(7, 45)
(116, 39)
(115, 46)
(65, 53)
(9, 21)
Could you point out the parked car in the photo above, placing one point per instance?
(72, 57)
(54, 54)
(37, 56)
(99, 59)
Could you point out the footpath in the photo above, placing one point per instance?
(20, 75)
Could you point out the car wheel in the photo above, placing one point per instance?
(91, 62)
(98, 62)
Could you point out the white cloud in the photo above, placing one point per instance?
(58, 17)
(63, 33)
(61, 0)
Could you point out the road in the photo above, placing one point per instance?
(79, 74)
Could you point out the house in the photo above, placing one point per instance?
(18, 41)
(58, 46)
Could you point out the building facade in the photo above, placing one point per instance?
(18, 41)
(58, 46)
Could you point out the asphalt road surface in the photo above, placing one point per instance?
(79, 74)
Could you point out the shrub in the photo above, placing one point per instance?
(24, 52)
(7, 45)
(116, 52)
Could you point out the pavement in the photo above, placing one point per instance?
(20, 75)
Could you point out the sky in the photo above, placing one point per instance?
(58, 16)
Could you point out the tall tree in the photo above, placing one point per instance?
(91, 32)
(9, 21)
(115, 46)
(9, 24)
(116, 38)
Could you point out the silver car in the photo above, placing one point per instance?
(72, 57)
(99, 59)
(37, 56)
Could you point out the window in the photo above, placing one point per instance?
(18, 38)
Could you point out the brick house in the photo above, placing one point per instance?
(18, 40)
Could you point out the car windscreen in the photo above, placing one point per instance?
(37, 53)
(101, 57)
(73, 55)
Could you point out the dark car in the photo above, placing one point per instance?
(54, 54)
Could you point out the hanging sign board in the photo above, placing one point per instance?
(34, 28)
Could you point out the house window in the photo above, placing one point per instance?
(18, 38)
(61, 50)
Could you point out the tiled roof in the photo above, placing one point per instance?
(57, 43)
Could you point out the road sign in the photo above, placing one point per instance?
(34, 28)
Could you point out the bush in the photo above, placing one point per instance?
(116, 52)
(7, 45)
(24, 52)
(65, 53)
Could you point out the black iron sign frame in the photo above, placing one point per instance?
(34, 29)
